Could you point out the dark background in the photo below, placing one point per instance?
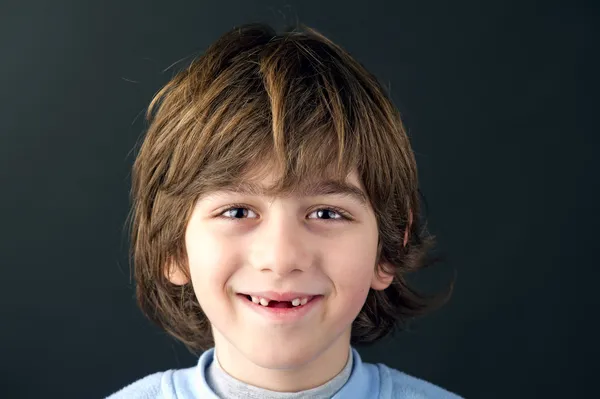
(499, 99)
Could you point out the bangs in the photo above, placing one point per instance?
(296, 165)
(296, 106)
(292, 113)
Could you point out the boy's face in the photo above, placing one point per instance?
(239, 245)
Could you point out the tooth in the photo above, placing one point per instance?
(296, 302)
(255, 299)
(303, 301)
(264, 302)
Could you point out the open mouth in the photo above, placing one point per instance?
(269, 303)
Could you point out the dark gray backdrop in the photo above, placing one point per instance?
(498, 98)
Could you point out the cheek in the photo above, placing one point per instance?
(352, 258)
(210, 261)
(351, 271)
(353, 284)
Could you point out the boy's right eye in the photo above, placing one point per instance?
(236, 212)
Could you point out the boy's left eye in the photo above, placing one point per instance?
(329, 214)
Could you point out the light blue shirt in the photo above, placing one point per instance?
(367, 381)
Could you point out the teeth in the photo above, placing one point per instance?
(264, 302)
(299, 301)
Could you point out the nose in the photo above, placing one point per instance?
(281, 244)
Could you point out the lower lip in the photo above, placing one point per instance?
(282, 314)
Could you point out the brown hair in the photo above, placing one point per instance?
(255, 100)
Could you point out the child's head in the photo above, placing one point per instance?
(276, 163)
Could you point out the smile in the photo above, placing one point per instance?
(299, 301)
(287, 310)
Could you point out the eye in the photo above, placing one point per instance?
(236, 212)
(329, 214)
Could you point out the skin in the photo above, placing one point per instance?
(281, 244)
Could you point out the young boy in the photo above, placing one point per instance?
(275, 216)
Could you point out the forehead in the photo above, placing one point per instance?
(268, 186)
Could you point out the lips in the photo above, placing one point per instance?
(301, 305)
(278, 296)
(279, 300)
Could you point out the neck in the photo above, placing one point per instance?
(292, 378)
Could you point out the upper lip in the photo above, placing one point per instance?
(278, 296)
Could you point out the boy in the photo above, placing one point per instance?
(275, 215)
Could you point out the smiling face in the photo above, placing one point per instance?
(320, 243)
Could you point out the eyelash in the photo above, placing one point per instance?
(345, 217)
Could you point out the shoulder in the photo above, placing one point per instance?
(183, 383)
(148, 387)
(396, 384)
(170, 384)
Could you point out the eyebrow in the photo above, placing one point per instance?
(319, 188)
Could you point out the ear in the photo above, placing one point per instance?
(175, 274)
(381, 279)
